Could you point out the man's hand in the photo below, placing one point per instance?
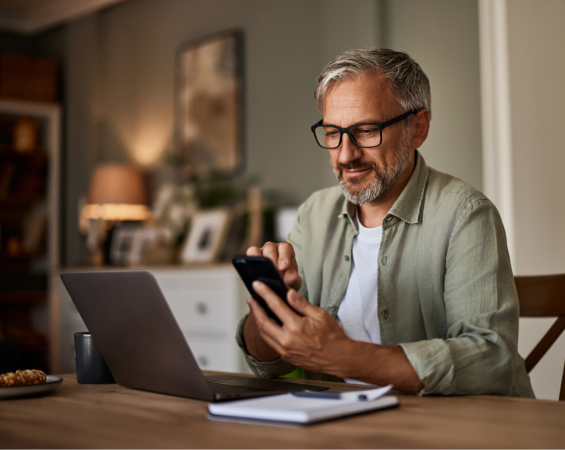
(313, 340)
(283, 257)
(316, 342)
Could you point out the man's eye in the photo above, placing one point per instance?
(365, 132)
(332, 134)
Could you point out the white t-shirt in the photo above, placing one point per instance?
(358, 311)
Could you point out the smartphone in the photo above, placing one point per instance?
(251, 268)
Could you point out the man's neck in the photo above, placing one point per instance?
(371, 214)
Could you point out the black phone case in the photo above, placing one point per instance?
(251, 268)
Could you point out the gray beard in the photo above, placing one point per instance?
(384, 179)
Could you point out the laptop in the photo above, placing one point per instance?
(142, 344)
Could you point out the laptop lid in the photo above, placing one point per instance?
(136, 332)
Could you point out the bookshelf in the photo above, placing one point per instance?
(29, 225)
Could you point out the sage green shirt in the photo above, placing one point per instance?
(446, 291)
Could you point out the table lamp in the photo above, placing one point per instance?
(117, 193)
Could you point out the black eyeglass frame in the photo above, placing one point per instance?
(381, 127)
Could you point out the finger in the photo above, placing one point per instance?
(270, 251)
(287, 258)
(254, 251)
(248, 301)
(300, 304)
(275, 303)
(292, 279)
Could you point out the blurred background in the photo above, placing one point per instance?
(171, 134)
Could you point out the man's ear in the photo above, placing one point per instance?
(419, 128)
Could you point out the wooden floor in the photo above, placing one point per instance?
(111, 416)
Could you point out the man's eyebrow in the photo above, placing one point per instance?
(368, 120)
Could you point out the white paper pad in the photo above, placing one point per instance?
(289, 408)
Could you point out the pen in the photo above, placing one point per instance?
(327, 395)
(371, 394)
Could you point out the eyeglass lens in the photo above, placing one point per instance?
(363, 135)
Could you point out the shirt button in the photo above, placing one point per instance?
(386, 314)
(331, 308)
(384, 261)
(346, 258)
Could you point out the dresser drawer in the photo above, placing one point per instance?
(73, 316)
(194, 281)
(204, 310)
(69, 312)
(215, 355)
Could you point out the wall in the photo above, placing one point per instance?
(536, 49)
(121, 84)
(523, 65)
(443, 36)
(537, 70)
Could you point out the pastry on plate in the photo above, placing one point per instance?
(23, 378)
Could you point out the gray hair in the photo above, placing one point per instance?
(410, 85)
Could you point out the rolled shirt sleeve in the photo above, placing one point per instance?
(481, 308)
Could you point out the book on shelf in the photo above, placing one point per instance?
(6, 176)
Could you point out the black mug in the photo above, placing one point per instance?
(91, 367)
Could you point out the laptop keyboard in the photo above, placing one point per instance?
(221, 388)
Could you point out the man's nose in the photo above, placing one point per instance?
(348, 151)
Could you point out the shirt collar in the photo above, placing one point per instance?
(408, 204)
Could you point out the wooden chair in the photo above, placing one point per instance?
(543, 296)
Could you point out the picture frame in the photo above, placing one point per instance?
(121, 243)
(207, 236)
(142, 236)
(210, 104)
(128, 244)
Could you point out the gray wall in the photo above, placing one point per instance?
(443, 36)
(121, 85)
(537, 70)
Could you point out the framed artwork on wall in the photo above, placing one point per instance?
(210, 104)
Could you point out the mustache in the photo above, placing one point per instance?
(356, 165)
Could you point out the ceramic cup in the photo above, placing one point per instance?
(91, 367)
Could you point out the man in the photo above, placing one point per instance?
(401, 276)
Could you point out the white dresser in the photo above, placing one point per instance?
(207, 303)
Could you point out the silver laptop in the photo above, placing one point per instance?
(142, 344)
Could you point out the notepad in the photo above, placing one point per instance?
(289, 408)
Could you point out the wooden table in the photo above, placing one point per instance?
(111, 416)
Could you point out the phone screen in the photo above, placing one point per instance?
(251, 268)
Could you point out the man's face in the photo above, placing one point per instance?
(365, 174)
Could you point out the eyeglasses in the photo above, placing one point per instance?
(363, 135)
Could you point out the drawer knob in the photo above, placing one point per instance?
(201, 308)
(202, 361)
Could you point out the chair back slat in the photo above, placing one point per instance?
(541, 296)
(545, 344)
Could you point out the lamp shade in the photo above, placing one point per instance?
(117, 192)
(116, 183)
